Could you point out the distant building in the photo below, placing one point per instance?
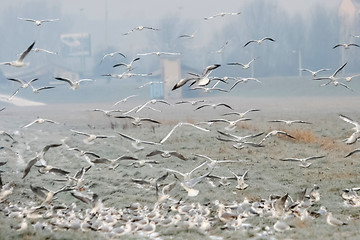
(171, 71)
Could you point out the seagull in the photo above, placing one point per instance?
(213, 163)
(112, 54)
(202, 79)
(50, 169)
(195, 102)
(166, 154)
(74, 84)
(14, 94)
(332, 77)
(186, 176)
(152, 101)
(136, 143)
(187, 35)
(164, 192)
(40, 121)
(334, 80)
(39, 157)
(124, 100)
(106, 112)
(137, 120)
(113, 163)
(37, 90)
(207, 89)
(38, 22)
(241, 185)
(179, 125)
(24, 84)
(91, 137)
(334, 221)
(231, 124)
(158, 53)
(137, 107)
(314, 73)
(302, 160)
(140, 28)
(348, 79)
(215, 105)
(273, 133)
(222, 180)
(244, 66)
(244, 80)
(281, 226)
(222, 14)
(128, 66)
(189, 185)
(241, 114)
(47, 195)
(150, 83)
(289, 122)
(141, 163)
(259, 41)
(20, 62)
(8, 135)
(221, 49)
(352, 152)
(43, 50)
(239, 139)
(346, 45)
(82, 152)
(356, 135)
(125, 74)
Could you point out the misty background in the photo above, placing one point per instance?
(305, 34)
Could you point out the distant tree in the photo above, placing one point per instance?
(321, 37)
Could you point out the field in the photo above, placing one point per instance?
(267, 175)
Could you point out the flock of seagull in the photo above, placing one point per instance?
(172, 189)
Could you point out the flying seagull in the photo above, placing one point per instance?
(314, 73)
(73, 84)
(112, 54)
(202, 79)
(20, 62)
(140, 28)
(38, 22)
(346, 45)
(244, 66)
(222, 14)
(259, 41)
(356, 134)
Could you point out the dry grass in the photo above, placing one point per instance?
(305, 136)
(308, 137)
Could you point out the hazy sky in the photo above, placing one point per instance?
(159, 8)
(89, 16)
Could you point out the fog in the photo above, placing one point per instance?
(304, 33)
